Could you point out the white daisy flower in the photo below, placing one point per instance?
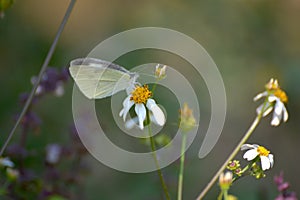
(276, 99)
(254, 150)
(140, 97)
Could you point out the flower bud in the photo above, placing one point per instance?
(225, 180)
(187, 119)
(160, 72)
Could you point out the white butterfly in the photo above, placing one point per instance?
(98, 79)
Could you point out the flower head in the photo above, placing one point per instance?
(233, 165)
(254, 150)
(141, 98)
(276, 98)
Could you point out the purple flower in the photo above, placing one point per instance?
(282, 187)
(52, 82)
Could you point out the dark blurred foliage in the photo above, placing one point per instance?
(250, 41)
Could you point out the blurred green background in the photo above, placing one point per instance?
(250, 41)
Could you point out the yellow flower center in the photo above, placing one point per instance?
(281, 95)
(141, 94)
(262, 151)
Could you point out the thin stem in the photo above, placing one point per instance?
(220, 195)
(43, 69)
(153, 148)
(232, 155)
(180, 179)
(154, 86)
(225, 194)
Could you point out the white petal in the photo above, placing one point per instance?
(278, 111)
(267, 110)
(156, 67)
(130, 89)
(248, 146)
(127, 104)
(271, 159)
(150, 103)
(250, 154)
(272, 98)
(258, 109)
(278, 107)
(275, 121)
(265, 163)
(121, 112)
(285, 114)
(140, 110)
(131, 122)
(260, 95)
(158, 114)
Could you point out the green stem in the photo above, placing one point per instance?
(180, 179)
(153, 148)
(220, 195)
(154, 86)
(234, 152)
(225, 194)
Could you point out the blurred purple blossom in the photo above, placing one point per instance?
(52, 82)
(282, 187)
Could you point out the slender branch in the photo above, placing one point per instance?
(43, 69)
(180, 179)
(159, 172)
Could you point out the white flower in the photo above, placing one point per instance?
(276, 99)
(140, 97)
(254, 150)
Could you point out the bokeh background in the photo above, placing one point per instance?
(250, 41)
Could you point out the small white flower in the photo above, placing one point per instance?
(140, 97)
(254, 150)
(276, 99)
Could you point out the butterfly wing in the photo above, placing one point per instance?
(98, 79)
